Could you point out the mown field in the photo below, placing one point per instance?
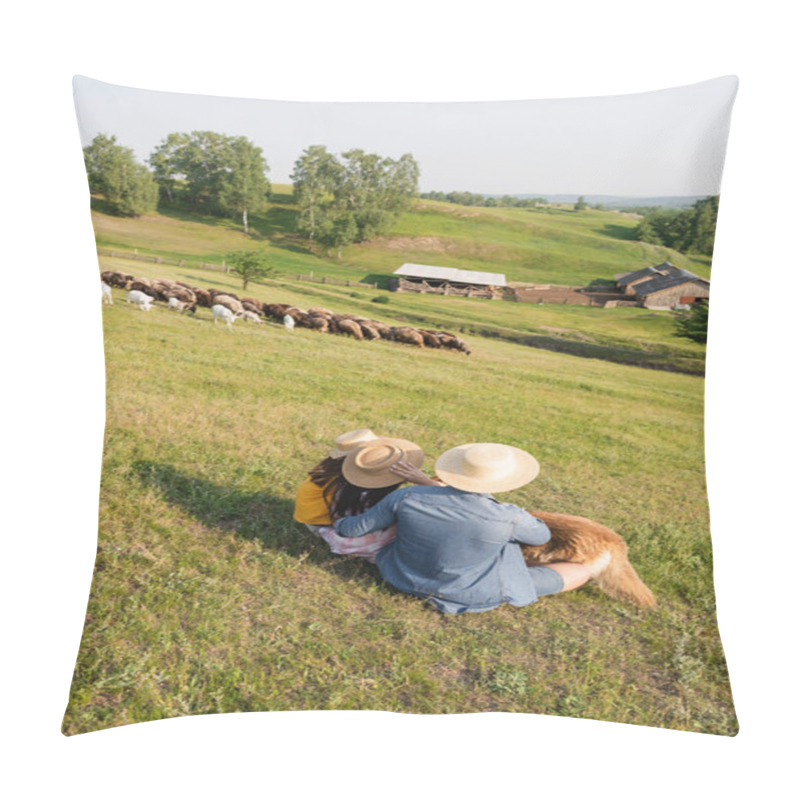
(208, 598)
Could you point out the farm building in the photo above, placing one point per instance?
(446, 280)
(664, 286)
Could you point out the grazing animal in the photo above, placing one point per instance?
(140, 299)
(180, 305)
(318, 323)
(408, 335)
(321, 312)
(257, 305)
(230, 302)
(602, 550)
(288, 322)
(118, 279)
(431, 339)
(352, 327)
(203, 297)
(223, 312)
(369, 330)
(105, 290)
(275, 311)
(251, 316)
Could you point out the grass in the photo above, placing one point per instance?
(528, 245)
(208, 598)
(626, 335)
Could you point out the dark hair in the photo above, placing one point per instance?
(343, 498)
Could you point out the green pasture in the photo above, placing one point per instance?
(208, 598)
(549, 245)
(627, 335)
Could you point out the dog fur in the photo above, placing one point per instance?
(588, 542)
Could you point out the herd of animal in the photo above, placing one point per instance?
(228, 307)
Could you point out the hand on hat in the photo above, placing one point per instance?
(408, 472)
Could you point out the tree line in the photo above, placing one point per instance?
(688, 230)
(340, 200)
(209, 172)
(487, 201)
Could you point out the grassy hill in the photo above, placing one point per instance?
(208, 598)
(549, 245)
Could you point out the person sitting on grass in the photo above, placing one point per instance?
(455, 544)
(328, 494)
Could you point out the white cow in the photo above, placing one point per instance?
(105, 289)
(288, 322)
(221, 312)
(140, 299)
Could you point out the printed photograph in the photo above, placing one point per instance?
(404, 407)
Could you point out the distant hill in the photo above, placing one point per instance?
(617, 201)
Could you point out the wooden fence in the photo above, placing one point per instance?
(183, 262)
(161, 260)
(335, 281)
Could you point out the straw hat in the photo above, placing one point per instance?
(369, 465)
(350, 441)
(486, 468)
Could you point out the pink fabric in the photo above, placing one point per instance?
(364, 546)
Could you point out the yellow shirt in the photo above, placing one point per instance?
(310, 507)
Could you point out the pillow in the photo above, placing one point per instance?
(290, 287)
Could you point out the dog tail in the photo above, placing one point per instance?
(620, 581)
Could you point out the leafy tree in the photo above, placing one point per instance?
(127, 186)
(704, 225)
(354, 199)
(337, 230)
(315, 176)
(694, 324)
(250, 265)
(688, 230)
(581, 204)
(224, 175)
(245, 186)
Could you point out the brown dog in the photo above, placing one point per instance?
(588, 542)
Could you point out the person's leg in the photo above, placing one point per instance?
(573, 575)
(561, 576)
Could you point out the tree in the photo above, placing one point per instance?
(127, 186)
(250, 265)
(224, 175)
(694, 324)
(314, 180)
(704, 225)
(336, 231)
(245, 186)
(354, 199)
(581, 204)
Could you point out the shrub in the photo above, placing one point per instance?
(382, 298)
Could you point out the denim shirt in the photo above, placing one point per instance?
(458, 549)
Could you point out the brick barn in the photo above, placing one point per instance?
(664, 286)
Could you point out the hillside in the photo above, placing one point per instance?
(546, 245)
(208, 598)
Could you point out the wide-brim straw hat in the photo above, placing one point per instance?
(350, 441)
(370, 465)
(485, 467)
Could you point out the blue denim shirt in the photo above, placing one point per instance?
(458, 549)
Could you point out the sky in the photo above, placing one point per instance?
(663, 143)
